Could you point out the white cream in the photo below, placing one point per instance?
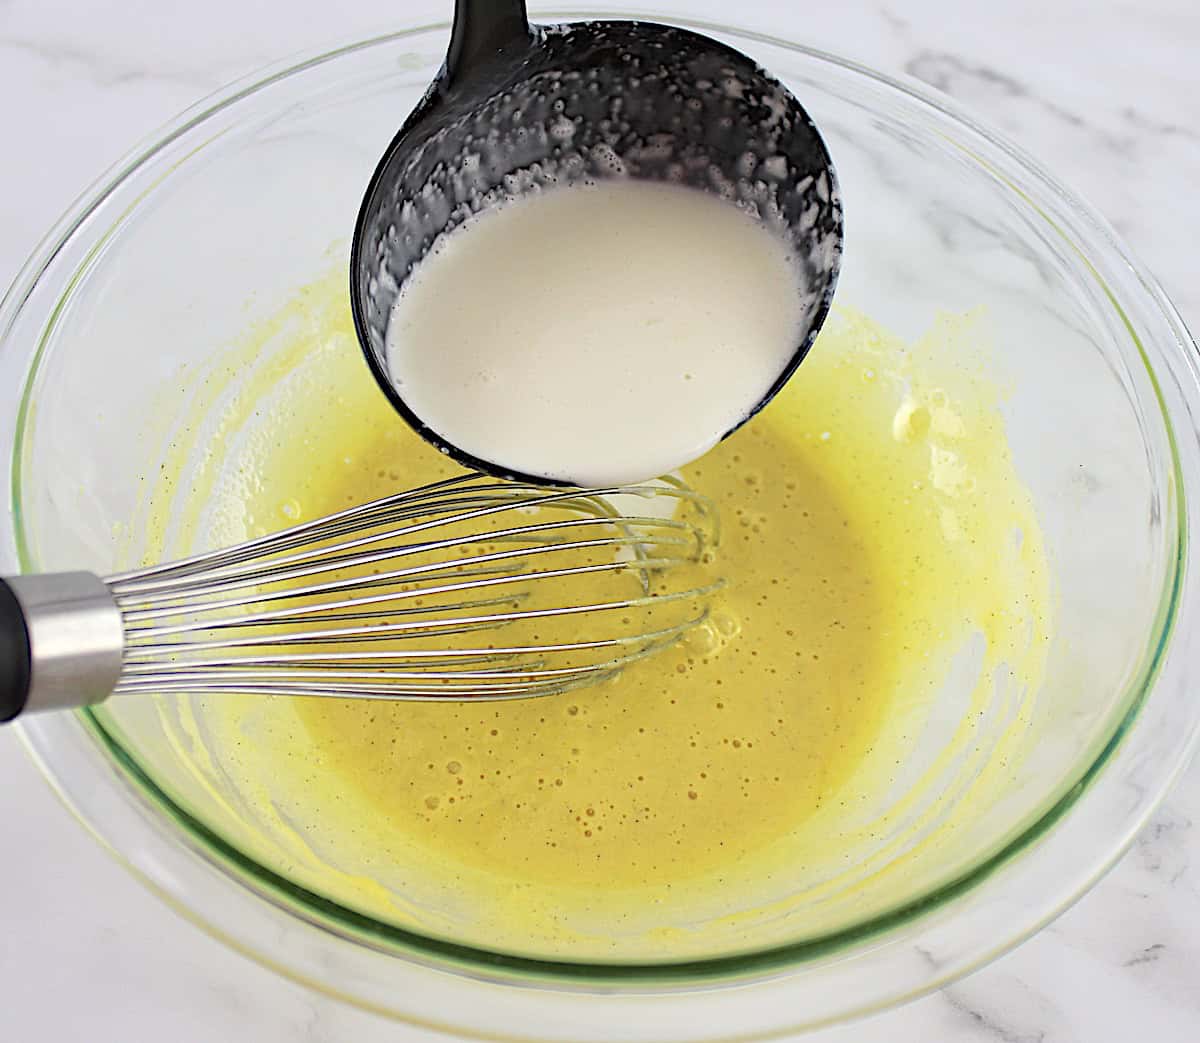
(597, 334)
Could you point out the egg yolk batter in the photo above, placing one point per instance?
(886, 582)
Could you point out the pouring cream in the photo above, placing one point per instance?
(597, 334)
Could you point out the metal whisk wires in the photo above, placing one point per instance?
(470, 588)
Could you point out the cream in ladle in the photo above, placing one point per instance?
(596, 335)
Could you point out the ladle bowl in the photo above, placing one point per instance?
(517, 109)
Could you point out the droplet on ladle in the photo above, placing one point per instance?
(516, 109)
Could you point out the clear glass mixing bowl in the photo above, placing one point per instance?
(214, 224)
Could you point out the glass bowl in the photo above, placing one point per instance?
(108, 330)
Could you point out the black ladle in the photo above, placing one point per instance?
(517, 108)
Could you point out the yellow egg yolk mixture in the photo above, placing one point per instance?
(876, 543)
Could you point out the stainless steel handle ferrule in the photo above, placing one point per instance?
(76, 639)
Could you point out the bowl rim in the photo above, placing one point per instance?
(723, 968)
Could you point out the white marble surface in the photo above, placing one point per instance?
(1106, 92)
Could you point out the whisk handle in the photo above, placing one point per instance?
(14, 655)
(62, 642)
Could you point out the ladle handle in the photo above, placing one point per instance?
(482, 30)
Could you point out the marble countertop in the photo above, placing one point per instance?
(1105, 92)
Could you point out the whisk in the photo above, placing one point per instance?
(469, 588)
